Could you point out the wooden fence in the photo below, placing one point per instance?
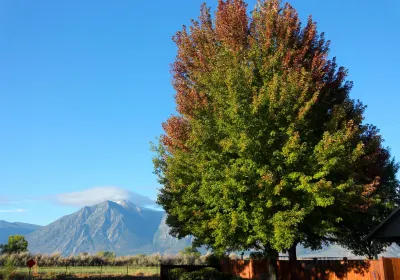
(383, 269)
(391, 268)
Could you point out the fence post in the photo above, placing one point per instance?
(314, 269)
(345, 266)
(382, 267)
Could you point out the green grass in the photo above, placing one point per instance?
(105, 270)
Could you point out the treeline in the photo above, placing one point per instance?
(84, 259)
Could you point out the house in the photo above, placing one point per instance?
(387, 231)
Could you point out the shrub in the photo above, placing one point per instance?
(8, 270)
(106, 254)
(176, 273)
(207, 273)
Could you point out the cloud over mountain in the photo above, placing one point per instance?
(97, 195)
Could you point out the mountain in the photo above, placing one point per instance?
(121, 227)
(165, 242)
(7, 229)
(126, 229)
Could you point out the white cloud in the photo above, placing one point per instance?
(13, 211)
(97, 195)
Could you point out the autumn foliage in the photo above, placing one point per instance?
(268, 150)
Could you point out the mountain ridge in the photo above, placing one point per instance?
(125, 229)
(121, 227)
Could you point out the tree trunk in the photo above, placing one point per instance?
(375, 249)
(272, 266)
(292, 253)
(292, 260)
(272, 269)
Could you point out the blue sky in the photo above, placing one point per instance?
(85, 86)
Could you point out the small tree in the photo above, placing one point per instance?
(16, 244)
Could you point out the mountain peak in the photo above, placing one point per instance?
(108, 203)
(123, 202)
(128, 205)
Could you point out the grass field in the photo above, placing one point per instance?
(92, 270)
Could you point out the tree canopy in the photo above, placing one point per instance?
(268, 150)
(16, 244)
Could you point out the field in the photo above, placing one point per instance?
(92, 270)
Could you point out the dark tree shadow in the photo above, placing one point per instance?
(343, 268)
(321, 269)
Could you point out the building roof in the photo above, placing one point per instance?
(388, 230)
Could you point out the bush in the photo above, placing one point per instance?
(176, 273)
(207, 273)
(8, 271)
(106, 254)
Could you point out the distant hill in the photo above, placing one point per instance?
(120, 227)
(7, 229)
(334, 250)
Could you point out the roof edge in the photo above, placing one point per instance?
(381, 224)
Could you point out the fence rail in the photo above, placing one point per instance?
(321, 258)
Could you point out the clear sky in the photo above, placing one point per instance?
(85, 86)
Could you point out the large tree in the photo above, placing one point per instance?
(267, 149)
